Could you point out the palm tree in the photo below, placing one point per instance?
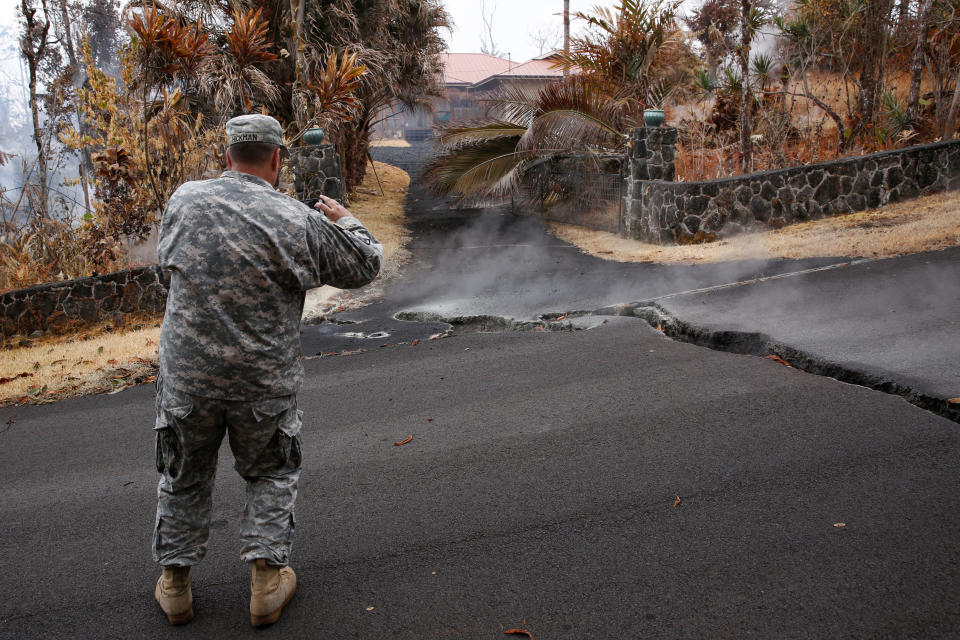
(397, 43)
(525, 130)
(634, 56)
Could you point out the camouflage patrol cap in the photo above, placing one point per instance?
(254, 127)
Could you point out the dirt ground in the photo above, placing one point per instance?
(107, 359)
(923, 224)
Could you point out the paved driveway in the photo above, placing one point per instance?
(538, 491)
(605, 483)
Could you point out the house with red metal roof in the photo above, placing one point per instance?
(467, 79)
(470, 77)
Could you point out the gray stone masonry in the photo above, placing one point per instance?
(663, 212)
(316, 171)
(59, 307)
(651, 151)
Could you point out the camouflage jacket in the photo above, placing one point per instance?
(241, 257)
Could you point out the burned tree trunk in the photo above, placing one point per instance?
(33, 46)
(76, 77)
(871, 63)
(916, 62)
(746, 129)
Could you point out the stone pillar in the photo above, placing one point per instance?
(651, 151)
(316, 171)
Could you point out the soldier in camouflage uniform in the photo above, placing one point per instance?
(241, 256)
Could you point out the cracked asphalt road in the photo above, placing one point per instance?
(539, 490)
(892, 324)
(897, 319)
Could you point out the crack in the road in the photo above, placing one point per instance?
(495, 324)
(732, 341)
(761, 344)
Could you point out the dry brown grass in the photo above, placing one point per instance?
(96, 360)
(389, 142)
(106, 359)
(924, 224)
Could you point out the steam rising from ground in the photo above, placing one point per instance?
(492, 262)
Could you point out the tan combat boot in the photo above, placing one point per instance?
(270, 590)
(174, 596)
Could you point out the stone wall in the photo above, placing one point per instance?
(316, 171)
(652, 151)
(58, 307)
(682, 212)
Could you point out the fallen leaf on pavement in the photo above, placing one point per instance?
(403, 442)
(436, 336)
(676, 503)
(778, 360)
(415, 342)
(518, 632)
(840, 524)
(562, 318)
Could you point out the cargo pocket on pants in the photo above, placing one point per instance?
(285, 443)
(168, 449)
(289, 431)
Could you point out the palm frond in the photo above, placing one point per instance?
(494, 177)
(444, 174)
(454, 136)
(571, 129)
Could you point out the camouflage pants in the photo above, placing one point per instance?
(264, 437)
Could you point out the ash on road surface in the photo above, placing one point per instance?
(503, 270)
(540, 487)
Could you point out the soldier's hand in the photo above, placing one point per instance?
(332, 209)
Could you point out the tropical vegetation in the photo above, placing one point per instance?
(751, 84)
(628, 58)
(139, 94)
